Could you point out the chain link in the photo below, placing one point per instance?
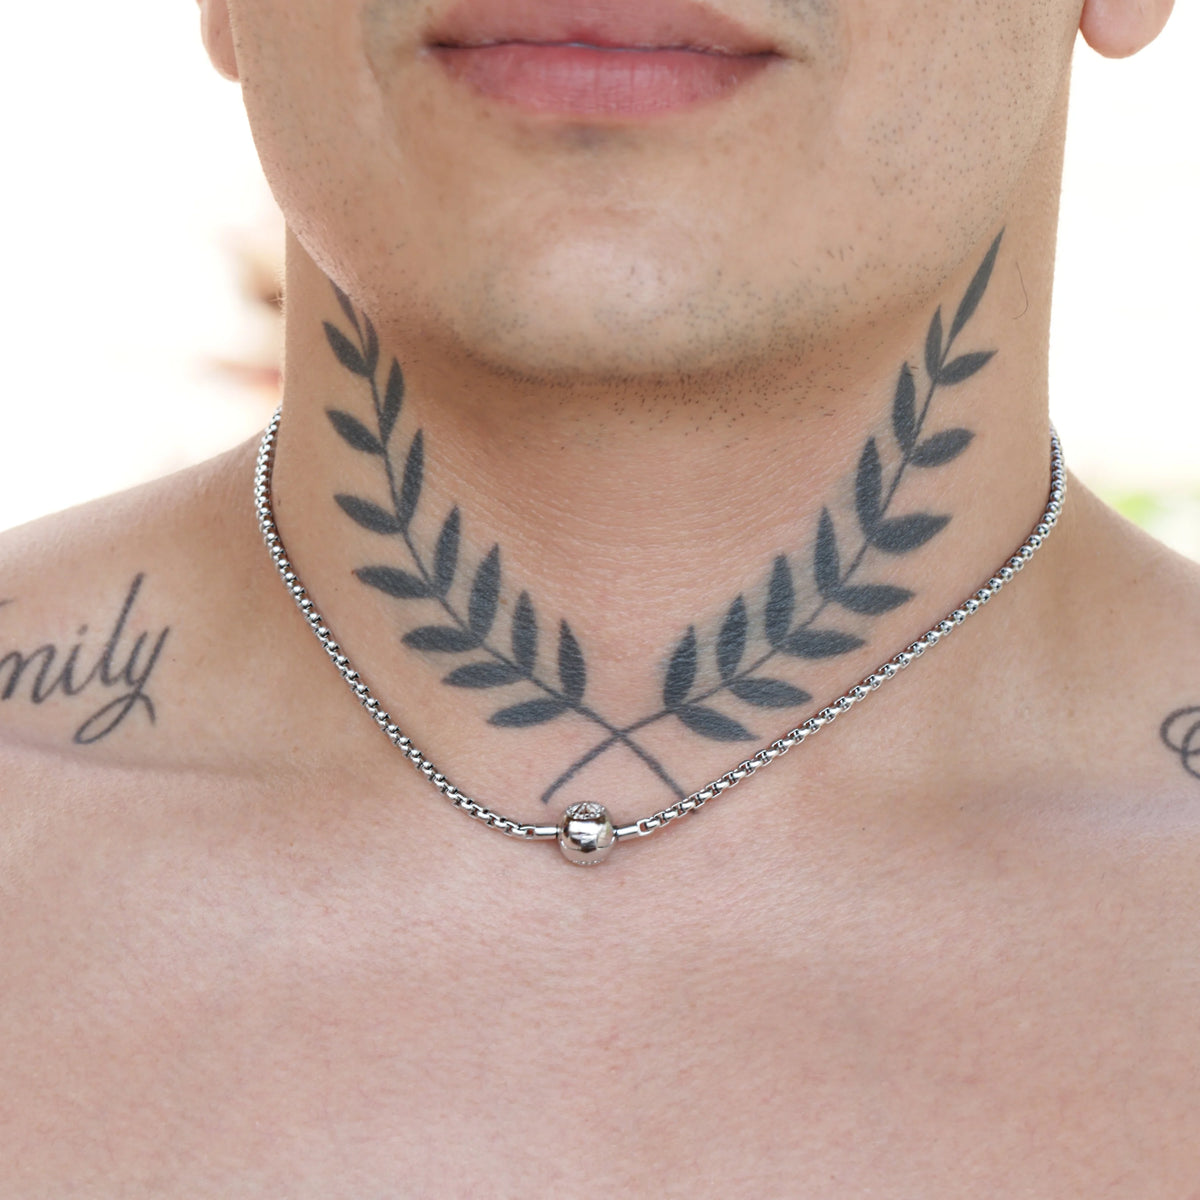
(711, 790)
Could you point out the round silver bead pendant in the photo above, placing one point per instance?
(586, 834)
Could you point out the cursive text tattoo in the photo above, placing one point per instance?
(795, 618)
(84, 667)
(1180, 733)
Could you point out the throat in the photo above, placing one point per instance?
(628, 627)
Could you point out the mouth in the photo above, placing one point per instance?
(604, 58)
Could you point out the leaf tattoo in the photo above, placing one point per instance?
(868, 487)
(781, 602)
(389, 412)
(820, 643)
(354, 432)
(711, 724)
(975, 289)
(485, 595)
(400, 585)
(940, 448)
(963, 368)
(525, 634)
(827, 568)
(445, 554)
(441, 639)
(349, 355)
(414, 478)
(934, 351)
(572, 672)
(769, 693)
(681, 673)
(486, 674)
(368, 514)
(461, 629)
(750, 634)
(834, 574)
(904, 410)
(731, 642)
(527, 713)
(347, 309)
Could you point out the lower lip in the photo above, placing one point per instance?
(594, 81)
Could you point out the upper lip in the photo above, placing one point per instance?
(615, 24)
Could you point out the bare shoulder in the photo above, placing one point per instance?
(94, 603)
(1130, 670)
(1168, 588)
(126, 671)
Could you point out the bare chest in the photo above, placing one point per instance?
(168, 1028)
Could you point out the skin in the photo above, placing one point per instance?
(941, 951)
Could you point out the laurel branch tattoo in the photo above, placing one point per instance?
(465, 629)
(751, 636)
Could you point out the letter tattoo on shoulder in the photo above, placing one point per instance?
(1180, 733)
(122, 664)
(809, 607)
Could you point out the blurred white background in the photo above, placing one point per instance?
(140, 240)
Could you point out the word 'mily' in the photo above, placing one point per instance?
(114, 666)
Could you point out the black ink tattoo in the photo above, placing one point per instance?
(48, 678)
(889, 534)
(466, 629)
(750, 635)
(1180, 733)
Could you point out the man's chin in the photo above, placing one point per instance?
(546, 349)
(573, 331)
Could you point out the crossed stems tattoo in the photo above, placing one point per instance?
(470, 628)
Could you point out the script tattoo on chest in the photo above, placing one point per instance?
(1180, 733)
(713, 683)
(116, 669)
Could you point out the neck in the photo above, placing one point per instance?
(635, 582)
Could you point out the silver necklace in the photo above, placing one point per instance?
(585, 832)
